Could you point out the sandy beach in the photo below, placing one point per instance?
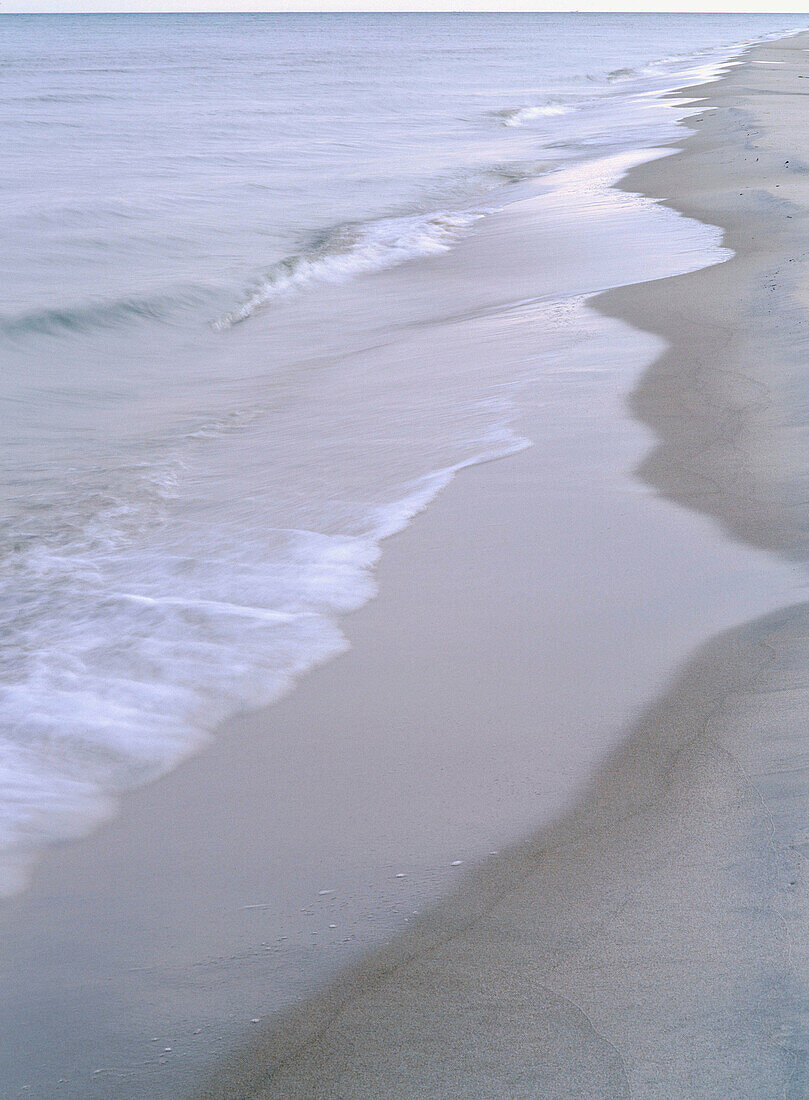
(595, 643)
(653, 942)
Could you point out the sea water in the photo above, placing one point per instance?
(197, 462)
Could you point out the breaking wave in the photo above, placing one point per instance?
(354, 250)
(519, 116)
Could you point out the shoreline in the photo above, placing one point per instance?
(163, 873)
(653, 941)
(751, 498)
(213, 658)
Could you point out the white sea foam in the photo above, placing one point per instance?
(356, 249)
(119, 662)
(521, 115)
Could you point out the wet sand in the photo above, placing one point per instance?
(647, 942)
(653, 942)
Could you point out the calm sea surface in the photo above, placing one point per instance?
(196, 465)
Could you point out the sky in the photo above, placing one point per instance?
(396, 5)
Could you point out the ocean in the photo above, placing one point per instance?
(211, 421)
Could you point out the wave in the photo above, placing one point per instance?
(621, 74)
(119, 661)
(60, 97)
(520, 115)
(348, 251)
(59, 320)
(354, 250)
